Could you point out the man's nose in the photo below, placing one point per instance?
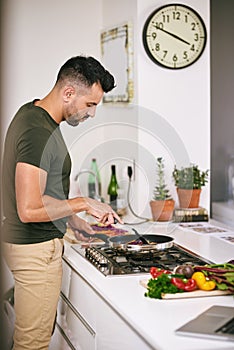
(92, 111)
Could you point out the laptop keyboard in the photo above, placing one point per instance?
(228, 328)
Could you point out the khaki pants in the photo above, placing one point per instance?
(37, 270)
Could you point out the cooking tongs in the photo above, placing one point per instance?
(143, 240)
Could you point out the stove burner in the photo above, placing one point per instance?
(114, 261)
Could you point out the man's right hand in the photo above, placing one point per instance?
(102, 212)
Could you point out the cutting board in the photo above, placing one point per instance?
(194, 294)
(70, 236)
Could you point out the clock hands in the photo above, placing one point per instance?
(173, 35)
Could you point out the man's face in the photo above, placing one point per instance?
(83, 105)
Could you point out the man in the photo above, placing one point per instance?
(36, 169)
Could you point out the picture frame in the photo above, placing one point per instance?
(117, 57)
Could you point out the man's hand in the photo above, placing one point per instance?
(78, 225)
(102, 212)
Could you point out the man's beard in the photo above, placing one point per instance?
(72, 120)
(75, 119)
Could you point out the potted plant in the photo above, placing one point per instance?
(162, 205)
(189, 182)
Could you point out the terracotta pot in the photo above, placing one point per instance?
(162, 210)
(188, 198)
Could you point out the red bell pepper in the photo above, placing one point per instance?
(188, 285)
(155, 271)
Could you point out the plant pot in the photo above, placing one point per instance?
(162, 210)
(188, 198)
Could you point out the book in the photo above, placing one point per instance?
(190, 214)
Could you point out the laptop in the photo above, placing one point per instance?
(217, 323)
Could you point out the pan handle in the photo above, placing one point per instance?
(101, 236)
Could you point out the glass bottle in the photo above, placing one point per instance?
(113, 188)
(92, 180)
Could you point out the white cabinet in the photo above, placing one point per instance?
(83, 298)
(81, 334)
(89, 322)
(71, 323)
(114, 333)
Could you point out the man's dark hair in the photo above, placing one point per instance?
(87, 71)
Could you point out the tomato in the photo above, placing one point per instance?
(154, 271)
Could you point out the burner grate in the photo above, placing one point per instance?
(113, 261)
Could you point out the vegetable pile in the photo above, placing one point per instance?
(221, 274)
(187, 278)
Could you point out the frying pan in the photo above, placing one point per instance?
(132, 242)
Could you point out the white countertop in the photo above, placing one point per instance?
(156, 320)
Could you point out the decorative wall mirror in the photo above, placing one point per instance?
(117, 57)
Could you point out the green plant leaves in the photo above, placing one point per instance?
(190, 177)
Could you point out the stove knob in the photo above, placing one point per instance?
(103, 260)
(88, 251)
(92, 252)
(98, 257)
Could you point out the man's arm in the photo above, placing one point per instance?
(34, 206)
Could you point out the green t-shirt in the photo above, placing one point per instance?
(35, 138)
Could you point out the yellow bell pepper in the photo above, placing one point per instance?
(202, 282)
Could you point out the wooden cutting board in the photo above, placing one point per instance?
(70, 236)
(195, 294)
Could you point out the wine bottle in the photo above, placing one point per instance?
(92, 180)
(113, 188)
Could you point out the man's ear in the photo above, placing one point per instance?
(68, 92)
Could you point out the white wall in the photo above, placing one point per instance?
(172, 108)
(41, 35)
(180, 97)
(38, 37)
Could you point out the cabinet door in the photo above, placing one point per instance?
(77, 316)
(93, 324)
(83, 298)
(66, 278)
(82, 338)
(114, 333)
(58, 341)
(74, 329)
(65, 287)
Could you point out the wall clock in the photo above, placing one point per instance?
(174, 36)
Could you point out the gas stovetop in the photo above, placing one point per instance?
(115, 261)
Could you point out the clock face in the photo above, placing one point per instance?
(174, 36)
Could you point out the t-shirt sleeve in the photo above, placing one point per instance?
(35, 147)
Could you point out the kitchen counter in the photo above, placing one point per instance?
(154, 321)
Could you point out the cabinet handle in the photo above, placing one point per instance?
(78, 315)
(65, 337)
